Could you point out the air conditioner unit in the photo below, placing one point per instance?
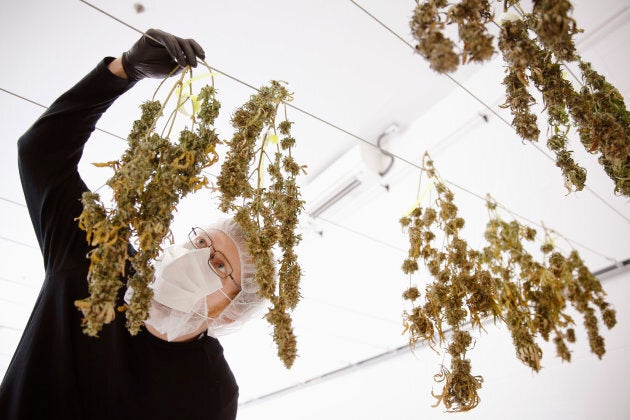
(358, 169)
(340, 181)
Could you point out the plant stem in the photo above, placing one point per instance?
(194, 121)
(174, 113)
(179, 82)
(162, 82)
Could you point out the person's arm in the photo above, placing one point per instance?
(48, 156)
(49, 152)
(117, 68)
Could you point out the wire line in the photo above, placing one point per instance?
(4, 238)
(114, 17)
(361, 234)
(12, 302)
(45, 107)
(19, 283)
(358, 138)
(6, 327)
(17, 203)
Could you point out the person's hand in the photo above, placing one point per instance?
(148, 58)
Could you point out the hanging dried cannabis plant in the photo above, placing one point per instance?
(598, 110)
(534, 295)
(524, 57)
(554, 27)
(150, 178)
(267, 215)
(460, 288)
(504, 282)
(429, 20)
(603, 120)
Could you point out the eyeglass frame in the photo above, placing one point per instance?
(192, 234)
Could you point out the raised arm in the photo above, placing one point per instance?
(48, 155)
(117, 68)
(50, 150)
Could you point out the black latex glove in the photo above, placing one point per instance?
(148, 58)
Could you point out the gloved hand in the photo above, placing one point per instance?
(148, 58)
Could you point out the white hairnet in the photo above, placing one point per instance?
(247, 303)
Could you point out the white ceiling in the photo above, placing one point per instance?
(348, 70)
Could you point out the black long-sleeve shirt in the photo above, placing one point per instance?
(57, 372)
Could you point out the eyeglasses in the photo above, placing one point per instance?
(217, 261)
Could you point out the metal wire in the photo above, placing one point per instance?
(12, 302)
(6, 327)
(361, 234)
(19, 283)
(45, 107)
(322, 120)
(13, 202)
(373, 145)
(329, 221)
(4, 238)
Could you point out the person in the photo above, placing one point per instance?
(204, 286)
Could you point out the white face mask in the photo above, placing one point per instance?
(183, 277)
(183, 280)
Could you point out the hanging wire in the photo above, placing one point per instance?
(488, 107)
(6, 327)
(13, 202)
(4, 238)
(361, 234)
(564, 63)
(480, 197)
(327, 220)
(373, 145)
(45, 107)
(415, 165)
(12, 302)
(19, 283)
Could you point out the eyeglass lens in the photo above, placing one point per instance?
(218, 262)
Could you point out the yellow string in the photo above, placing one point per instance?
(421, 197)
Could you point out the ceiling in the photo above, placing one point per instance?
(358, 79)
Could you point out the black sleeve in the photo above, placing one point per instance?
(48, 155)
(228, 412)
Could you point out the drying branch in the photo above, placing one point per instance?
(504, 282)
(597, 111)
(150, 178)
(267, 215)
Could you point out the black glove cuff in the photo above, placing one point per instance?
(129, 70)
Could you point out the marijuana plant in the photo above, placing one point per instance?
(596, 109)
(150, 178)
(503, 282)
(268, 215)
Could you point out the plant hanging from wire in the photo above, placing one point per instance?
(150, 178)
(597, 110)
(503, 282)
(269, 214)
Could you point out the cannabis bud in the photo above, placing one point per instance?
(597, 111)
(268, 214)
(503, 281)
(150, 178)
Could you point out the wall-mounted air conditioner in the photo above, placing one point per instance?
(358, 169)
